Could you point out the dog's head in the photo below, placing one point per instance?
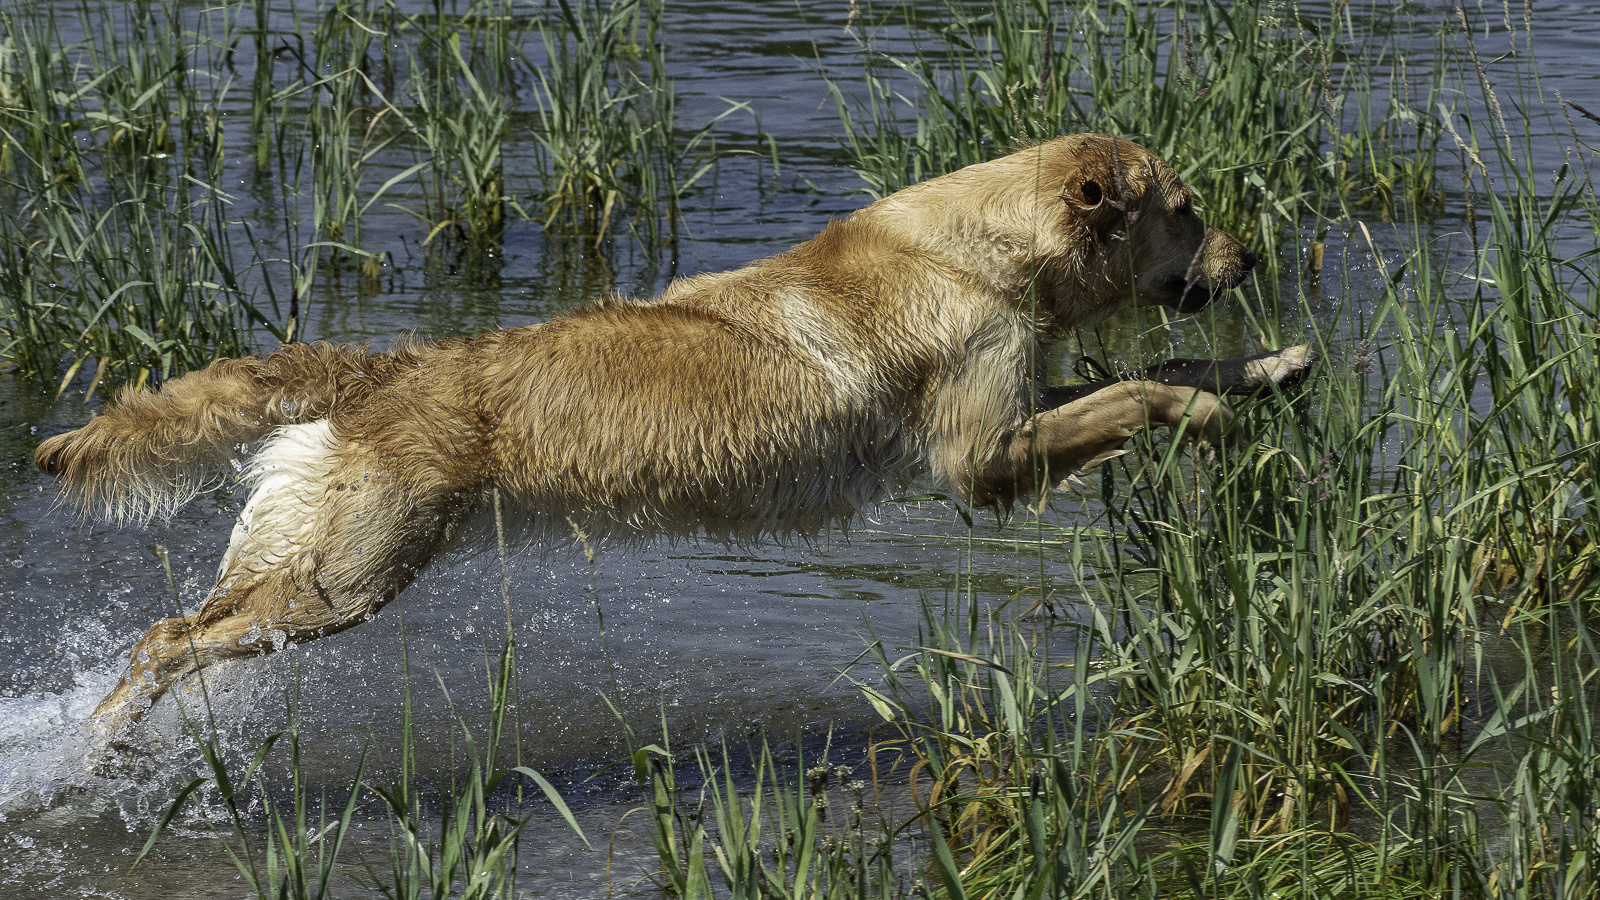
(1128, 231)
(1075, 228)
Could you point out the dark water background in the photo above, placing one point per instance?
(722, 643)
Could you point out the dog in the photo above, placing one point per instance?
(905, 340)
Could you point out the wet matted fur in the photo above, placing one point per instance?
(905, 340)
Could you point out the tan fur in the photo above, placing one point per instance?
(902, 340)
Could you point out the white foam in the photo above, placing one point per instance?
(52, 769)
(44, 744)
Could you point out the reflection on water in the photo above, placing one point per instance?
(721, 643)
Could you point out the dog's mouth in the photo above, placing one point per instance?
(1187, 295)
(1191, 293)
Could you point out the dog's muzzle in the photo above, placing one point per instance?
(1190, 295)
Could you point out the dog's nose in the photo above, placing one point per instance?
(1248, 260)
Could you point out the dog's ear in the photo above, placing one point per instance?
(1091, 195)
(1097, 202)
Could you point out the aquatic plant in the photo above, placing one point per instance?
(607, 124)
(142, 275)
(361, 102)
(462, 844)
(1292, 663)
(1262, 105)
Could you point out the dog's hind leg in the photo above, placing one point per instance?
(330, 534)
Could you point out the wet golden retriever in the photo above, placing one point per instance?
(904, 340)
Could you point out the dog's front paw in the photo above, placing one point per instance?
(1280, 367)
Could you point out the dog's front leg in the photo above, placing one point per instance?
(1242, 375)
(1077, 435)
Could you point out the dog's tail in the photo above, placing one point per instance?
(150, 452)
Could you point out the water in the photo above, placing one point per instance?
(723, 643)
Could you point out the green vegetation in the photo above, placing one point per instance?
(462, 843)
(111, 253)
(134, 244)
(1267, 107)
(1297, 670)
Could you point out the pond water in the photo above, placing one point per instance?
(720, 642)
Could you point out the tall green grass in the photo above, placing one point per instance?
(1266, 109)
(607, 120)
(119, 251)
(1306, 658)
(134, 251)
(463, 842)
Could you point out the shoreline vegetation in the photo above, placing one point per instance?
(1348, 656)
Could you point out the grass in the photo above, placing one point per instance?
(1300, 665)
(77, 285)
(1284, 688)
(463, 843)
(1266, 107)
(350, 104)
(607, 114)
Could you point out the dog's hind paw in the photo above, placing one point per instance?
(110, 759)
(112, 748)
